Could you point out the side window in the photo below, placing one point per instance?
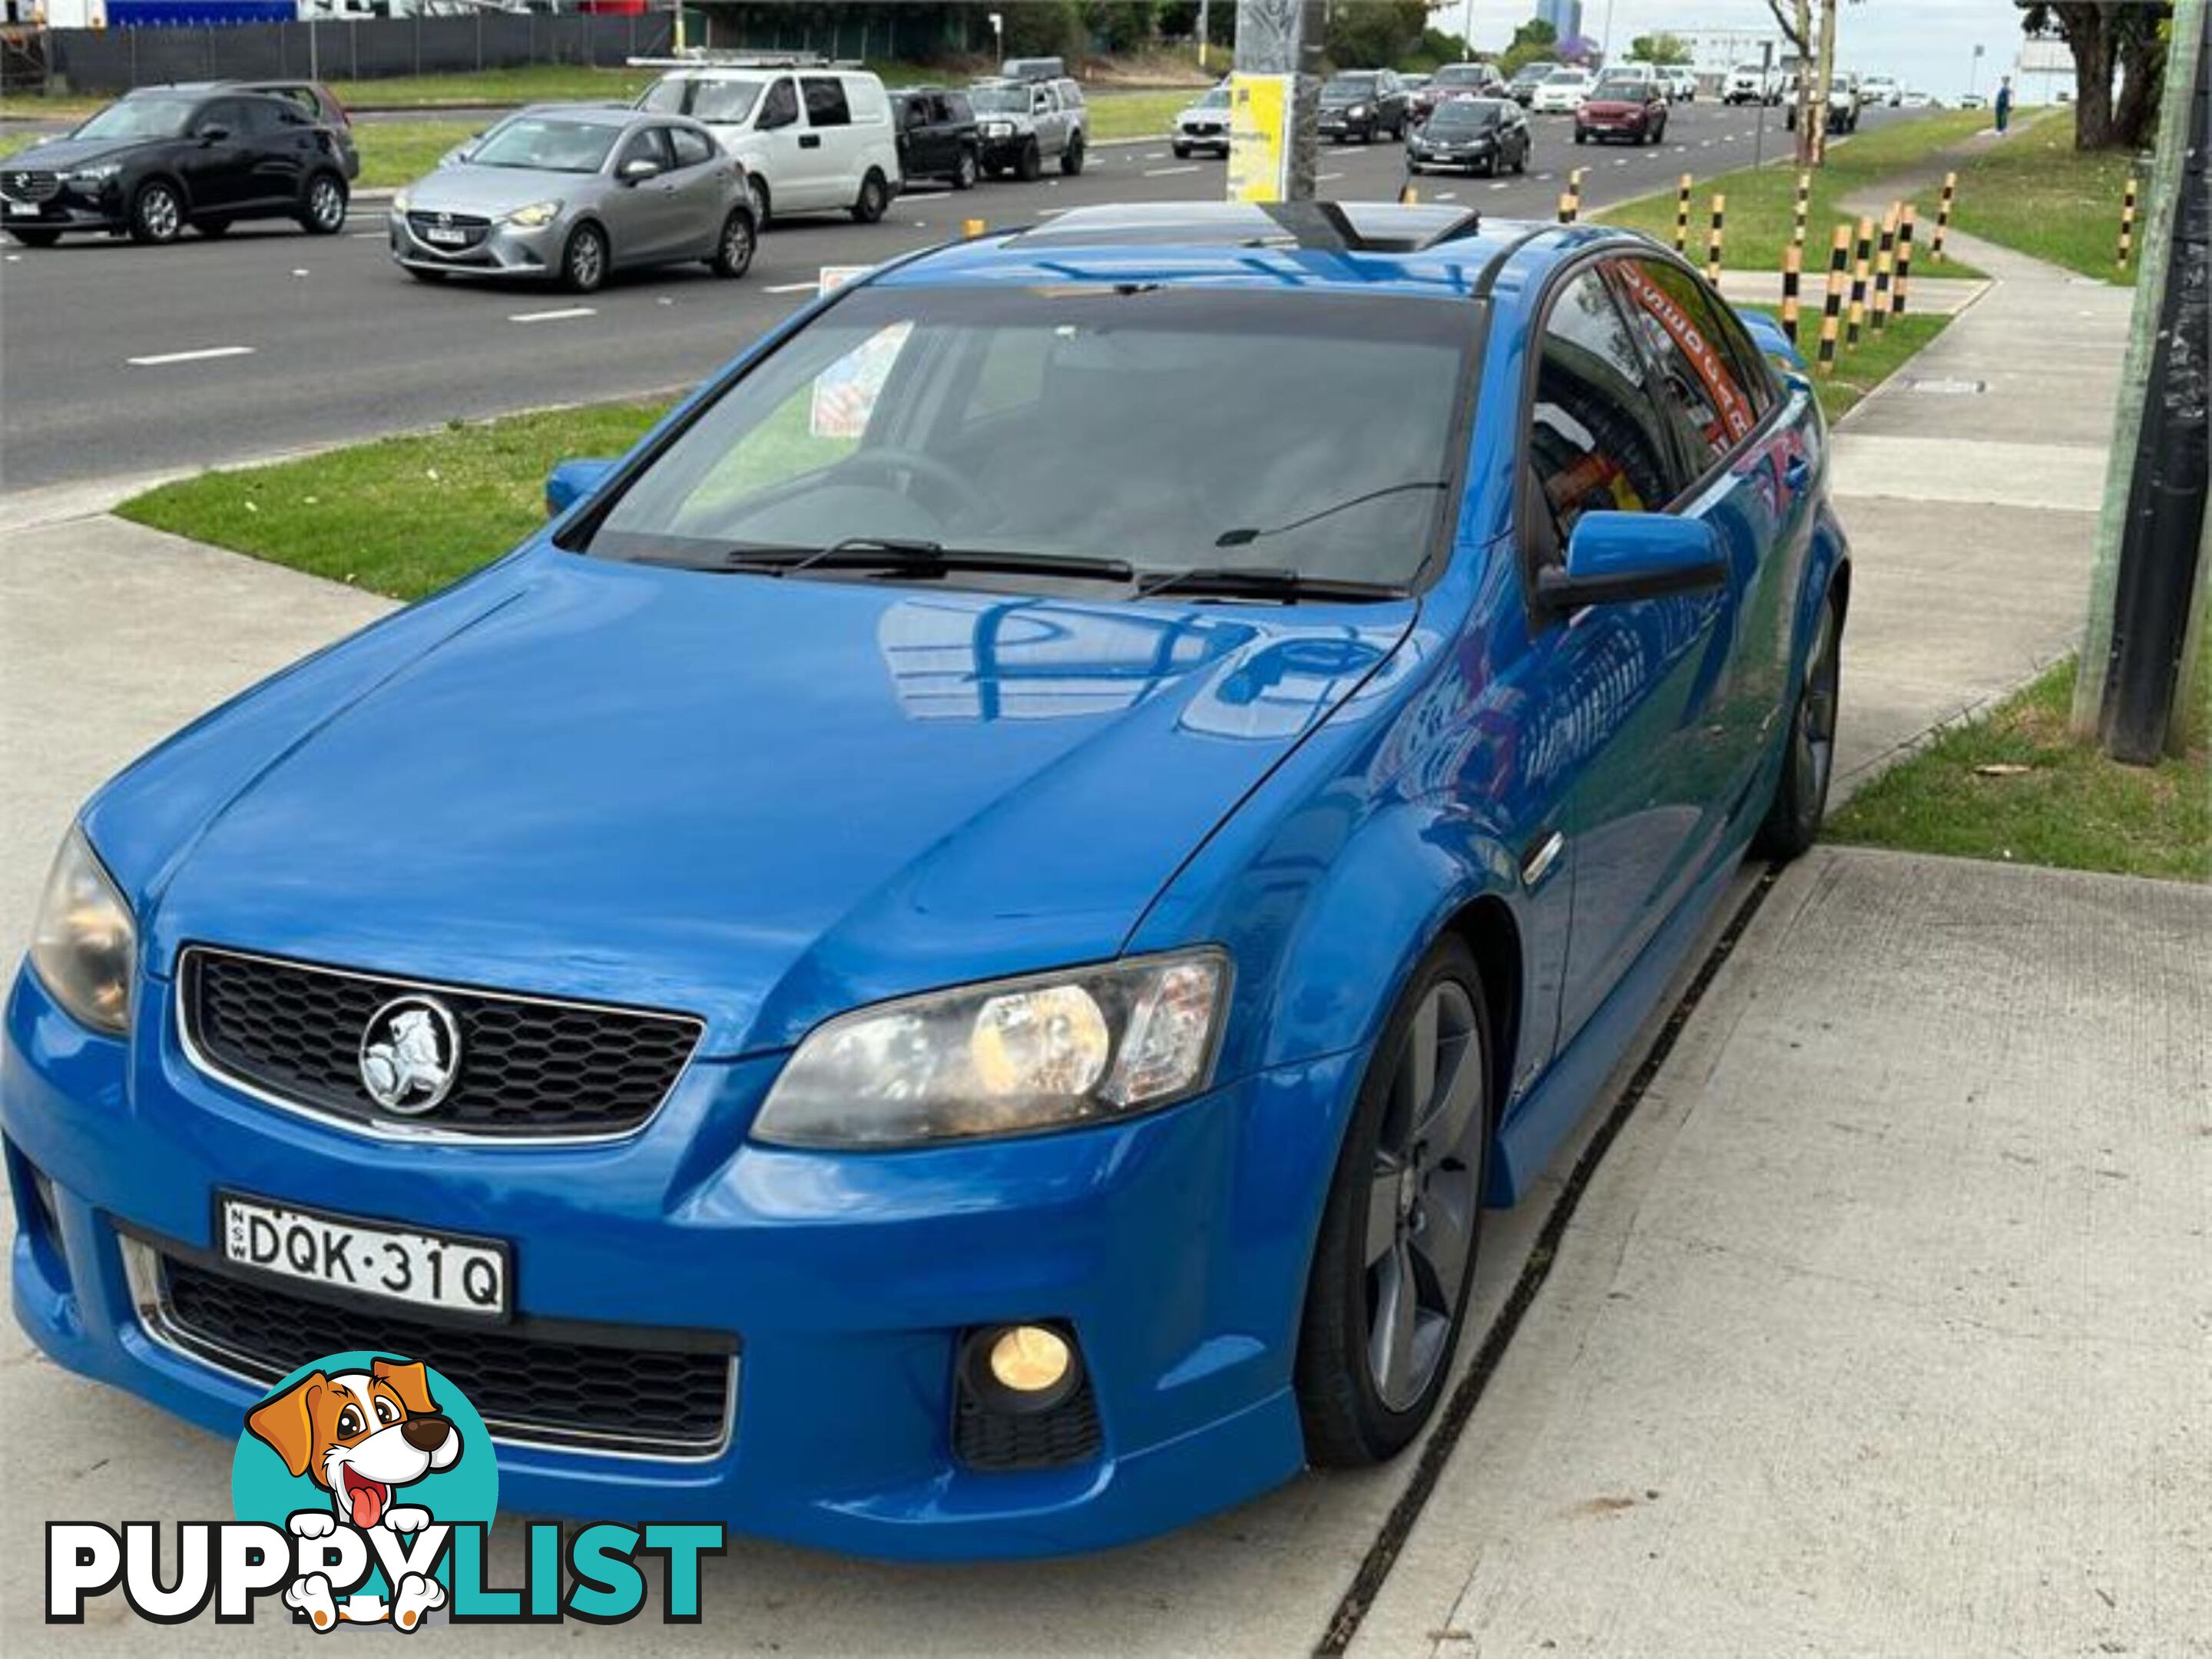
(779, 108)
(646, 144)
(826, 102)
(1708, 383)
(958, 109)
(692, 149)
(1597, 439)
(222, 113)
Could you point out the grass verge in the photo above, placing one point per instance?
(1878, 356)
(2011, 785)
(400, 516)
(1761, 200)
(2037, 194)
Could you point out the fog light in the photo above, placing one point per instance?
(1030, 1360)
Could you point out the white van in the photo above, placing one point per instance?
(815, 139)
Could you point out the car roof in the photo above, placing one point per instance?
(604, 115)
(1428, 250)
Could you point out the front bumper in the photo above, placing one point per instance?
(1213, 137)
(1175, 1246)
(493, 249)
(1457, 155)
(1334, 123)
(70, 210)
(1004, 150)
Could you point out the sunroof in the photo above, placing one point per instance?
(1334, 226)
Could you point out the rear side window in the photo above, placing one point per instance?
(826, 102)
(1597, 438)
(692, 149)
(1715, 408)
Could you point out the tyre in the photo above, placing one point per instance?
(1030, 164)
(1581, 136)
(964, 171)
(1183, 151)
(757, 187)
(1801, 794)
(733, 252)
(322, 213)
(1414, 169)
(584, 260)
(157, 214)
(1397, 1246)
(1070, 159)
(34, 237)
(212, 227)
(875, 196)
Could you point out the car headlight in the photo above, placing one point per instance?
(1009, 1058)
(399, 202)
(1357, 112)
(84, 942)
(99, 174)
(537, 213)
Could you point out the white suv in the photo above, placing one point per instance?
(813, 140)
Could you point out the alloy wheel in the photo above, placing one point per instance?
(1815, 733)
(326, 205)
(1423, 1196)
(159, 215)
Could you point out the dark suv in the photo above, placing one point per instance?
(162, 159)
(1365, 105)
(937, 136)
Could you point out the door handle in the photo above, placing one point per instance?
(809, 140)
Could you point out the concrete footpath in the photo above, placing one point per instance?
(1885, 1327)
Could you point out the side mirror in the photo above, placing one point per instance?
(214, 133)
(569, 482)
(638, 169)
(1615, 557)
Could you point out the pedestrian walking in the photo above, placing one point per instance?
(2004, 103)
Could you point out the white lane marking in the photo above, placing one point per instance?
(791, 287)
(160, 358)
(561, 316)
(1446, 196)
(1620, 161)
(1501, 184)
(1681, 149)
(1168, 172)
(1156, 156)
(1319, 178)
(1704, 144)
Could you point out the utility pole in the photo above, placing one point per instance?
(1973, 71)
(2148, 593)
(1205, 30)
(1275, 101)
(1824, 75)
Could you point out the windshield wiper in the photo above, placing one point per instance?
(1262, 582)
(1247, 534)
(906, 556)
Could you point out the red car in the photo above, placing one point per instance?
(1628, 106)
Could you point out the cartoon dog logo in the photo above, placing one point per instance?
(361, 1435)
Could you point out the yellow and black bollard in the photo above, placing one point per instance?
(1793, 261)
(1713, 241)
(2127, 225)
(1571, 198)
(1797, 213)
(1831, 310)
(1884, 264)
(971, 228)
(1942, 217)
(1861, 265)
(1683, 214)
(1408, 194)
(1904, 260)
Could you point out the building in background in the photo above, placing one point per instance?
(2044, 72)
(1565, 17)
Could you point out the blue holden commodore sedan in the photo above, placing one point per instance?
(947, 962)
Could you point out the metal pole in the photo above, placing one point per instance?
(1285, 37)
(1765, 75)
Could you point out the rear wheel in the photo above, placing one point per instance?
(734, 253)
(584, 260)
(875, 196)
(1070, 159)
(156, 213)
(1801, 795)
(322, 214)
(1397, 1248)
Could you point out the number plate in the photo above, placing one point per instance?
(445, 1271)
(445, 237)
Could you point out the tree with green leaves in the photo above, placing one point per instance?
(2109, 38)
(1662, 48)
(1534, 42)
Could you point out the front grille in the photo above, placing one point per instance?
(528, 1069)
(604, 1393)
(1205, 128)
(31, 187)
(1000, 1441)
(472, 228)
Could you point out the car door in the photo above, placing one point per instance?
(697, 184)
(832, 164)
(1753, 491)
(645, 213)
(218, 160)
(1050, 119)
(776, 152)
(1619, 686)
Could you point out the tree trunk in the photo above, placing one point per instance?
(2088, 31)
(2142, 74)
(1808, 149)
(1824, 71)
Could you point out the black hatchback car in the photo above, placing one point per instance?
(937, 136)
(160, 160)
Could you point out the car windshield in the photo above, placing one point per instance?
(667, 97)
(1172, 429)
(729, 101)
(1217, 99)
(1349, 87)
(1462, 75)
(546, 144)
(1475, 115)
(1001, 100)
(1621, 86)
(1566, 75)
(139, 117)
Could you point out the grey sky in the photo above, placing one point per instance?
(1927, 43)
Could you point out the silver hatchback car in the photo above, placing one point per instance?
(572, 192)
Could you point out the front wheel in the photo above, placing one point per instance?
(1581, 136)
(583, 261)
(964, 171)
(1397, 1249)
(1070, 159)
(156, 213)
(1801, 795)
(1030, 164)
(322, 214)
(733, 252)
(1181, 152)
(875, 196)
